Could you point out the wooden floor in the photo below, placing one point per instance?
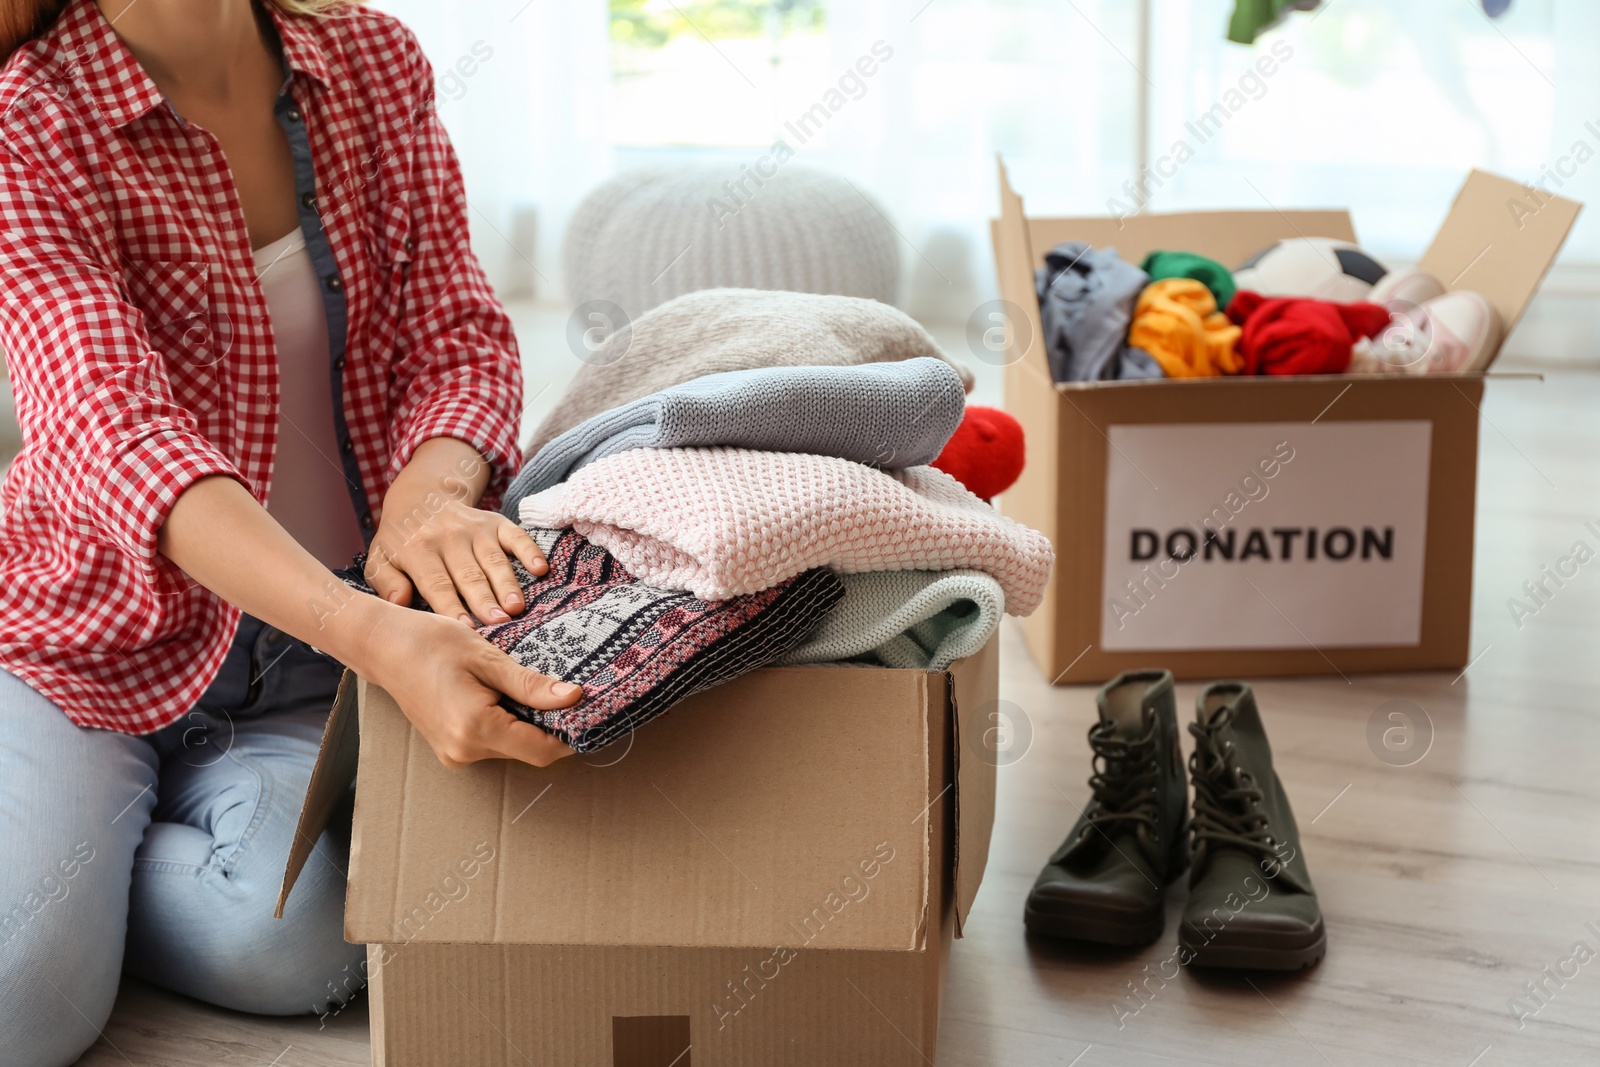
(1447, 885)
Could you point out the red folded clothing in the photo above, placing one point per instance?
(986, 453)
(1293, 335)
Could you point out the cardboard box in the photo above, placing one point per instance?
(1363, 561)
(771, 873)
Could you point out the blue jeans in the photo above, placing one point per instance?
(162, 855)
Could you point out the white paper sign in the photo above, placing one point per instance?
(1265, 535)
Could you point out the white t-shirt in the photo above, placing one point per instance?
(310, 496)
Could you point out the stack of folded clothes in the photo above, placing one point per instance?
(754, 479)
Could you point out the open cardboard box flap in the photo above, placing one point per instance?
(726, 823)
(1499, 239)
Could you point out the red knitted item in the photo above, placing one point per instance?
(1291, 335)
(985, 454)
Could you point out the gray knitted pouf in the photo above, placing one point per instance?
(646, 236)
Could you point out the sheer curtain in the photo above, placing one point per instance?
(1382, 107)
(524, 89)
(1047, 83)
(1379, 106)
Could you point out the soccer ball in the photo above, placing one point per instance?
(1318, 267)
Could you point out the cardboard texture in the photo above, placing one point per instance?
(1497, 239)
(773, 872)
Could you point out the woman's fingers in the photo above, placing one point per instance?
(517, 541)
(472, 583)
(429, 574)
(387, 580)
(502, 577)
(518, 740)
(506, 675)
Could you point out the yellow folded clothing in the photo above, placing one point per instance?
(1176, 320)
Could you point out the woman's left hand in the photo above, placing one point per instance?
(432, 541)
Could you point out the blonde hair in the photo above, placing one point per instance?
(23, 20)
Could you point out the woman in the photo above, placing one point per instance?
(247, 339)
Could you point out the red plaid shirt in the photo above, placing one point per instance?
(141, 353)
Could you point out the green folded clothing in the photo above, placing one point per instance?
(1207, 272)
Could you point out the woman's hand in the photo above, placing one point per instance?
(446, 678)
(432, 540)
(452, 553)
(448, 681)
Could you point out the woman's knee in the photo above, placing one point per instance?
(73, 806)
(301, 964)
(58, 983)
(240, 956)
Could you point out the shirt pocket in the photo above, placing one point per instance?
(175, 300)
(389, 240)
(389, 246)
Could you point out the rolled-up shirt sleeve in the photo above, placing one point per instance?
(88, 383)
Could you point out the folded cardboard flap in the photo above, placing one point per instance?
(1500, 239)
(755, 814)
(973, 684)
(1015, 260)
(330, 782)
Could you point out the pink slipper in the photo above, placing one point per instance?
(1457, 333)
(1406, 287)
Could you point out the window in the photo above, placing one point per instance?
(717, 74)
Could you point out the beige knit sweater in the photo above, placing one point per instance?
(734, 329)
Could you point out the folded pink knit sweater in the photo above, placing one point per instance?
(724, 522)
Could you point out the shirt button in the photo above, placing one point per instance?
(293, 114)
(409, 245)
(309, 201)
(349, 446)
(335, 282)
(338, 364)
(366, 522)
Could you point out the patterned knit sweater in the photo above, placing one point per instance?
(637, 650)
(724, 522)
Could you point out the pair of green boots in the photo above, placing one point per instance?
(1251, 903)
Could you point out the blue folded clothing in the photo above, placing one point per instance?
(888, 415)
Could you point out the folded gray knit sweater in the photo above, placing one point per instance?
(888, 415)
(717, 330)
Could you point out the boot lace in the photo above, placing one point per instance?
(1227, 802)
(1125, 781)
